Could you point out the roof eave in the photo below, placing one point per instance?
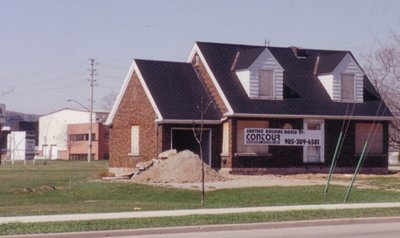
(188, 121)
(291, 116)
(196, 49)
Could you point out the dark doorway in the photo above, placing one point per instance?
(183, 139)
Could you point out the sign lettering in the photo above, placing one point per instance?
(285, 137)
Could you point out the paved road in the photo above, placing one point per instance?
(335, 228)
(386, 230)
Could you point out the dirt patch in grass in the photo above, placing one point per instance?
(242, 181)
(183, 170)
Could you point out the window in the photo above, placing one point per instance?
(375, 140)
(266, 83)
(314, 154)
(241, 147)
(80, 156)
(81, 137)
(225, 139)
(134, 140)
(347, 86)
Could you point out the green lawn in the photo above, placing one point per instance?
(26, 190)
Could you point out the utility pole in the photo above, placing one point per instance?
(91, 81)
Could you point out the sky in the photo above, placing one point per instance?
(45, 45)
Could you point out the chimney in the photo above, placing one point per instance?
(299, 52)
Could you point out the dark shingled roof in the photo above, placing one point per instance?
(310, 96)
(327, 63)
(176, 90)
(245, 58)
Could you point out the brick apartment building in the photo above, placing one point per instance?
(264, 110)
(78, 139)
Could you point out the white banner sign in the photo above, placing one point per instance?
(286, 137)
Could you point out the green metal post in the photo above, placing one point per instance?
(346, 198)
(333, 164)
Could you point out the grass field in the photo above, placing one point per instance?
(74, 187)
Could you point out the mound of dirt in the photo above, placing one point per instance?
(184, 167)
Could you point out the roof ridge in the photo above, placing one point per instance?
(271, 47)
(229, 44)
(161, 61)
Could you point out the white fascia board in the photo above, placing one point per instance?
(347, 56)
(177, 121)
(197, 50)
(344, 117)
(121, 93)
(133, 68)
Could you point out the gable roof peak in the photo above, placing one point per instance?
(327, 63)
(245, 58)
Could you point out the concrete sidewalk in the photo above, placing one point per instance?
(171, 213)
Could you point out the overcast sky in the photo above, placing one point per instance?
(45, 44)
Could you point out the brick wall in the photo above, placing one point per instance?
(289, 160)
(134, 109)
(278, 157)
(348, 157)
(209, 85)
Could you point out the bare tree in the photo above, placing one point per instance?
(108, 101)
(69, 141)
(198, 134)
(5, 92)
(383, 69)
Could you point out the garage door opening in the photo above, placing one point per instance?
(184, 139)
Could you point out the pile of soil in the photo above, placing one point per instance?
(184, 167)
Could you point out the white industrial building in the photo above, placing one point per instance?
(53, 131)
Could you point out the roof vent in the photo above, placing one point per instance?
(299, 52)
(315, 71)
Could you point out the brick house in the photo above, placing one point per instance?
(269, 110)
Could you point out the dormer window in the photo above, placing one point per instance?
(347, 87)
(260, 74)
(341, 77)
(266, 83)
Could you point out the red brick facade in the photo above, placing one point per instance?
(134, 109)
(212, 90)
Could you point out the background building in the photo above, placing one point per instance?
(18, 135)
(78, 139)
(54, 142)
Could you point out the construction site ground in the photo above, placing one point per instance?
(241, 181)
(183, 170)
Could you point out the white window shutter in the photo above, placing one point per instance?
(265, 83)
(135, 140)
(225, 139)
(347, 87)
